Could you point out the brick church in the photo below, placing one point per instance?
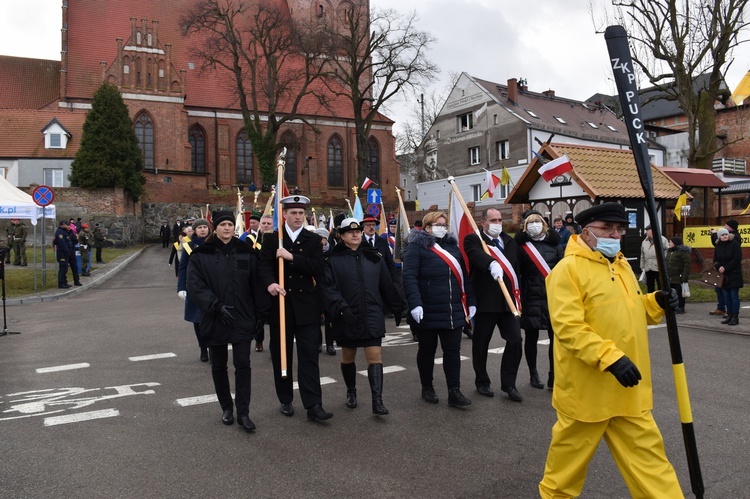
(187, 120)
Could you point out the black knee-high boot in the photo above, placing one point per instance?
(375, 375)
(349, 371)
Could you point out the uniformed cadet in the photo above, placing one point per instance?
(19, 243)
(302, 253)
(63, 248)
(9, 230)
(84, 240)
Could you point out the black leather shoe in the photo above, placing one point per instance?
(246, 423)
(287, 410)
(457, 399)
(317, 413)
(513, 394)
(77, 283)
(331, 350)
(204, 354)
(486, 391)
(429, 395)
(227, 418)
(534, 379)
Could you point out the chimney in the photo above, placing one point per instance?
(549, 93)
(513, 90)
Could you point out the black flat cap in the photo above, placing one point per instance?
(605, 212)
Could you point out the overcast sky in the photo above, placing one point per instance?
(550, 43)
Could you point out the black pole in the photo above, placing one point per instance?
(622, 67)
(5, 331)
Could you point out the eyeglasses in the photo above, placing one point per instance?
(609, 229)
(443, 226)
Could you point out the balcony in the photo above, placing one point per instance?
(729, 165)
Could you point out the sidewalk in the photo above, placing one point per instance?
(696, 316)
(100, 275)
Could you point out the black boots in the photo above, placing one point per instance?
(535, 381)
(551, 380)
(349, 371)
(728, 319)
(456, 398)
(375, 375)
(733, 320)
(204, 354)
(429, 395)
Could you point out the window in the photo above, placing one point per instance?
(476, 192)
(437, 136)
(335, 162)
(144, 131)
(290, 167)
(612, 128)
(494, 119)
(502, 191)
(465, 122)
(53, 177)
(562, 121)
(244, 159)
(55, 141)
(592, 125)
(503, 149)
(474, 158)
(197, 140)
(373, 160)
(739, 203)
(531, 113)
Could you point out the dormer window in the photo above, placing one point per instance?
(562, 121)
(55, 135)
(531, 113)
(592, 125)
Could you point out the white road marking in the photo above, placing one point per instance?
(81, 416)
(386, 370)
(68, 367)
(496, 350)
(439, 360)
(202, 399)
(152, 357)
(325, 380)
(656, 326)
(543, 342)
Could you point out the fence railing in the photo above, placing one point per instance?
(729, 165)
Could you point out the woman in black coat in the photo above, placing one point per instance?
(678, 269)
(356, 290)
(539, 252)
(728, 261)
(440, 304)
(201, 228)
(221, 281)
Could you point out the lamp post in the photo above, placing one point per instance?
(307, 169)
(421, 102)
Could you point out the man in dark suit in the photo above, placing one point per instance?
(164, 233)
(371, 238)
(302, 255)
(492, 309)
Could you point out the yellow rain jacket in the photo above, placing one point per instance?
(599, 314)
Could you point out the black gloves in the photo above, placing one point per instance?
(348, 316)
(668, 300)
(225, 315)
(625, 371)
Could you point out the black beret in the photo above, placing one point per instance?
(526, 214)
(605, 212)
(221, 216)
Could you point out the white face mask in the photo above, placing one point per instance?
(439, 232)
(494, 230)
(534, 228)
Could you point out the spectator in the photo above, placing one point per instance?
(649, 263)
(98, 242)
(678, 268)
(562, 231)
(19, 243)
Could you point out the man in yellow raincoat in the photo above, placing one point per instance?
(602, 366)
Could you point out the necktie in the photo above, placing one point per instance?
(372, 242)
(497, 243)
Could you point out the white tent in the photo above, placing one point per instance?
(14, 203)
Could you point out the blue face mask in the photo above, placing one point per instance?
(606, 246)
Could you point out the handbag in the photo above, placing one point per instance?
(642, 277)
(714, 278)
(685, 290)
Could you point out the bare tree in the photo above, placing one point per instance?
(374, 55)
(674, 43)
(270, 61)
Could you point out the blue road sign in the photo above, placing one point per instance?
(373, 210)
(373, 196)
(43, 195)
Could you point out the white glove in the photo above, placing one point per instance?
(417, 314)
(472, 312)
(182, 294)
(496, 270)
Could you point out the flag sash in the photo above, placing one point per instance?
(455, 267)
(507, 270)
(536, 258)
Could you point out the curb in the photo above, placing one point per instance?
(49, 296)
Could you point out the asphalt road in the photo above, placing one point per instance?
(121, 425)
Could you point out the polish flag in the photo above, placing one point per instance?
(556, 167)
(492, 181)
(367, 183)
(459, 225)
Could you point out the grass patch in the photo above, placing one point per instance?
(19, 281)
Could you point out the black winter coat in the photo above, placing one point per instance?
(728, 254)
(678, 264)
(489, 295)
(429, 282)
(192, 313)
(535, 314)
(226, 274)
(360, 281)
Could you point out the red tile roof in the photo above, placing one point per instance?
(694, 177)
(28, 83)
(601, 172)
(22, 132)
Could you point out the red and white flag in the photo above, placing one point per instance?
(556, 167)
(459, 225)
(492, 182)
(367, 183)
